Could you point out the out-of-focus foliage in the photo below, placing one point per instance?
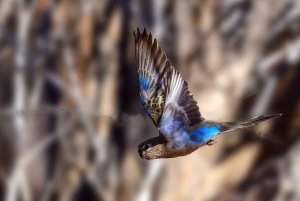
(71, 119)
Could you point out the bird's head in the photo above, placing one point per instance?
(151, 149)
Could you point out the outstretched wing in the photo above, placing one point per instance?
(153, 68)
(181, 110)
(163, 93)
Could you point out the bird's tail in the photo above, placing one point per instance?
(228, 126)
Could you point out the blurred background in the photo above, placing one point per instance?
(71, 119)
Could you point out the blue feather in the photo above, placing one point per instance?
(144, 82)
(142, 98)
(168, 124)
(205, 133)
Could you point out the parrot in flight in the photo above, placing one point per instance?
(167, 100)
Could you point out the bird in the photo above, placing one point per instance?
(166, 99)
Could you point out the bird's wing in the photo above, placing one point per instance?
(181, 110)
(153, 68)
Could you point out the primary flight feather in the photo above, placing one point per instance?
(166, 99)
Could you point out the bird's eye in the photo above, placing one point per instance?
(146, 146)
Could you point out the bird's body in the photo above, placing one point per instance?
(168, 102)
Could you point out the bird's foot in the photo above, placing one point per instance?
(211, 142)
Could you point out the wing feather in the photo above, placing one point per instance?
(163, 93)
(181, 110)
(153, 67)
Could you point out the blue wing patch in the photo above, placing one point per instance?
(142, 98)
(144, 82)
(168, 124)
(205, 133)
